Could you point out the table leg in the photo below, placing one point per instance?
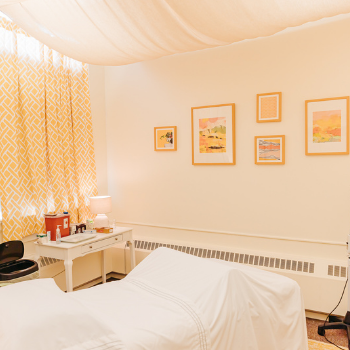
(103, 264)
(132, 254)
(68, 264)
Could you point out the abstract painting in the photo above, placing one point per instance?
(269, 107)
(269, 150)
(327, 126)
(165, 138)
(213, 135)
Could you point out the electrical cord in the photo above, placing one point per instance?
(327, 318)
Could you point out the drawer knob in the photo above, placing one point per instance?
(90, 246)
(116, 238)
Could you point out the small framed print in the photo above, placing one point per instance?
(270, 150)
(327, 126)
(269, 107)
(165, 138)
(213, 135)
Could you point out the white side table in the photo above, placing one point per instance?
(69, 251)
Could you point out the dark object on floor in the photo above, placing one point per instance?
(335, 319)
(12, 266)
(344, 324)
(110, 279)
(337, 336)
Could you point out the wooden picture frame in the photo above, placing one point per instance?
(213, 135)
(270, 150)
(327, 126)
(269, 107)
(165, 138)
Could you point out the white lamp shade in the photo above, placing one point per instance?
(100, 204)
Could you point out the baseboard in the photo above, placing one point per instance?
(88, 284)
(116, 275)
(98, 280)
(316, 315)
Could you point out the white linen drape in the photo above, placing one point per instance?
(116, 32)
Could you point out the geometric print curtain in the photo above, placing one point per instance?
(47, 160)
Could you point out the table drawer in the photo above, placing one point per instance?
(101, 244)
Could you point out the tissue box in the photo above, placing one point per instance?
(104, 230)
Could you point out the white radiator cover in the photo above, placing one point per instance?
(321, 280)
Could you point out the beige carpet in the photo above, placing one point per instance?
(337, 336)
(316, 345)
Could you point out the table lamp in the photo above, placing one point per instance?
(101, 205)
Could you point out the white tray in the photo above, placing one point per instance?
(78, 237)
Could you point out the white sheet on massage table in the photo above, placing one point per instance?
(37, 315)
(146, 318)
(245, 308)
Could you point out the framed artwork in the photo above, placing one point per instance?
(165, 138)
(270, 150)
(269, 107)
(213, 135)
(327, 126)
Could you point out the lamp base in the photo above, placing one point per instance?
(101, 220)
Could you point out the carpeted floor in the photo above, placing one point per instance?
(316, 342)
(316, 345)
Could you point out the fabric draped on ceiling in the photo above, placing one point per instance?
(46, 144)
(117, 32)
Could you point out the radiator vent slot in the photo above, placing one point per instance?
(48, 261)
(336, 271)
(243, 258)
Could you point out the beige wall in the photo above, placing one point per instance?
(300, 209)
(307, 198)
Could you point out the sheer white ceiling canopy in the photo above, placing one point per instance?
(117, 32)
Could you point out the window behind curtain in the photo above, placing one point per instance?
(50, 164)
(2, 15)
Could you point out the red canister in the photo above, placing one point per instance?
(51, 222)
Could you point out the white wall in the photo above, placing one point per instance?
(301, 208)
(307, 198)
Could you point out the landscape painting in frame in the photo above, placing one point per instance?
(269, 107)
(270, 150)
(327, 126)
(165, 138)
(213, 135)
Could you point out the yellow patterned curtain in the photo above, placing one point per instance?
(46, 144)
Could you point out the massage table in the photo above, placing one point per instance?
(170, 301)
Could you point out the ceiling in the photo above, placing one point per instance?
(118, 32)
